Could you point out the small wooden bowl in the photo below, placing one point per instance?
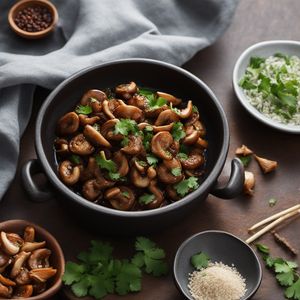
(29, 3)
(57, 259)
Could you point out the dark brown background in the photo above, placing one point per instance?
(254, 21)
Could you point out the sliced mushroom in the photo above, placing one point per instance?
(122, 164)
(7, 246)
(128, 112)
(201, 143)
(23, 277)
(23, 291)
(126, 90)
(138, 101)
(61, 146)
(15, 239)
(95, 136)
(175, 147)
(172, 193)
(68, 173)
(141, 168)
(154, 113)
(243, 150)
(18, 263)
(106, 109)
(31, 246)
(151, 172)
(6, 281)
(195, 160)
(159, 197)
(92, 188)
(166, 117)
(138, 179)
(121, 198)
(191, 137)
(161, 143)
(90, 96)
(79, 145)
(29, 234)
(107, 130)
(156, 129)
(186, 112)
(266, 165)
(164, 171)
(90, 171)
(68, 124)
(42, 274)
(249, 183)
(5, 292)
(135, 145)
(193, 119)
(170, 98)
(200, 127)
(4, 258)
(39, 258)
(85, 120)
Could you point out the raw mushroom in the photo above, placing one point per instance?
(68, 173)
(159, 197)
(126, 90)
(166, 117)
(121, 198)
(85, 120)
(170, 98)
(128, 112)
(135, 145)
(161, 143)
(79, 145)
(95, 136)
(23, 291)
(68, 124)
(164, 171)
(266, 165)
(195, 160)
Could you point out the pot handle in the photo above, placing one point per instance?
(235, 184)
(29, 169)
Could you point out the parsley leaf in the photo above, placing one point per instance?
(184, 186)
(125, 194)
(293, 292)
(245, 160)
(80, 288)
(272, 202)
(256, 61)
(177, 131)
(151, 159)
(146, 198)
(176, 171)
(108, 165)
(200, 260)
(73, 272)
(285, 279)
(83, 109)
(246, 84)
(75, 159)
(126, 126)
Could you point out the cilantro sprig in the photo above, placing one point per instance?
(177, 131)
(286, 272)
(200, 260)
(108, 165)
(98, 273)
(186, 185)
(154, 102)
(83, 109)
(126, 126)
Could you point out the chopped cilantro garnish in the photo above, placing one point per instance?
(256, 61)
(83, 109)
(195, 109)
(142, 163)
(108, 165)
(126, 126)
(146, 198)
(125, 141)
(151, 159)
(125, 194)
(176, 171)
(154, 102)
(75, 159)
(184, 186)
(200, 260)
(147, 140)
(182, 156)
(246, 84)
(177, 131)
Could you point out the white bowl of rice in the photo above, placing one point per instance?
(266, 80)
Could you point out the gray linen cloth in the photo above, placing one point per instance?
(90, 32)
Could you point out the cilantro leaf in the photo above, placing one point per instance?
(195, 109)
(263, 248)
(107, 164)
(200, 260)
(184, 186)
(125, 194)
(285, 279)
(138, 259)
(282, 268)
(177, 131)
(256, 61)
(182, 156)
(83, 109)
(246, 84)
(155, 267)
(143, 244)
(126, 126)
(151, 159)
(272, 202)
(155, 253)
(75, 159)
(285, 57)
(73, 273)
(245, 160)
(154, 102)
(176, 171)
(293, 292)
(146, 198)
(80, 288)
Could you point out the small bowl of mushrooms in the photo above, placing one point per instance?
(31, 261)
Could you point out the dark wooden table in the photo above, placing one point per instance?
(254, 21)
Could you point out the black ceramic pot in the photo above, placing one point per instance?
(149, 73)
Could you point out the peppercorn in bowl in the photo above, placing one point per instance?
(105, 213)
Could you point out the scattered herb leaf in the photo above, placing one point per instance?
(200, 260)
(263, 248)
(75, 159)
(272, 202)
(125, 194)
(126, 126)
(146, 198)
(184, 186)
(176, 171)
(108, 165)
(177, 131)
(256, 61)
(83, 109)
(151, 159)
(245, 160)
(182, 156)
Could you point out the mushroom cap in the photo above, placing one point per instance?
(68, 173)
(68, 124)
(79, 145)
(95, 94)
(124, 111)
(95, 136)
(166, 117)
(121, 197)
(160, 144)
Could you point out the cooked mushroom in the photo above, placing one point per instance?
(95, 136)
(4, 258)
(192, 136)
(93, 96)
(138, 101)
(165, 170)
(151, 172)
(126, 90)
(6, 281)
(186, 112)
(39, 287)
(128, 112)
(29, 234)
(69, 173)
(243, 150)
(23, 291)
(106, 109)
(39, 258)
(140, 166)
(61, 146)
(200, 127)
(23, 277)
(8, 246)
(31, 246)
(166, 117)
(20, 259)
(79, 145)
(90, 171)
(107, 130)
(5, 292)
(135, 145)
(170, 98)
(158, 194)
(201, 143)
(138, 179)
(42, 274)
(122, 164)
(172, 193)
(156, 129)
(160, 144)
(192, 119)
(154, 113)
(15, 239)
(92, 188)
(249, 183)
(68, 124)
(195, 160)
(85, 120)
(121, 198)
(266, 165)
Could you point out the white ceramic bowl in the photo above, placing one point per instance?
(263, 49)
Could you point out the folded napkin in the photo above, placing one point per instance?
(90, 32)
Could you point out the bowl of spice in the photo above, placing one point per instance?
(216, 265)
(33, 19)
(266, 80)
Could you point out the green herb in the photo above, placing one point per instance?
(184, 186)
(125, 141)
(108, 165)
(154, 102)
(126, 126)
(75, 159)
(177, 131)
(150, 257)
(147, 140)
(256, 61)
(182, 156)
(148, 128)
(286, 272)
(176, 171)
(195, 109)
(272, 202)
(151, 159)
(126, 194)
(83, 109)
(200, 260)
(246, 84)
(96, 126)
(285, 57)
(146, 198)
(175, 109)
(245, 160)
(142, 163)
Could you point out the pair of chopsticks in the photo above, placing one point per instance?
(275, 220)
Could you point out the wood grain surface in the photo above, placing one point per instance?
(255, 21)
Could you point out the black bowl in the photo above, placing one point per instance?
(149, 73)
(220, 246)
